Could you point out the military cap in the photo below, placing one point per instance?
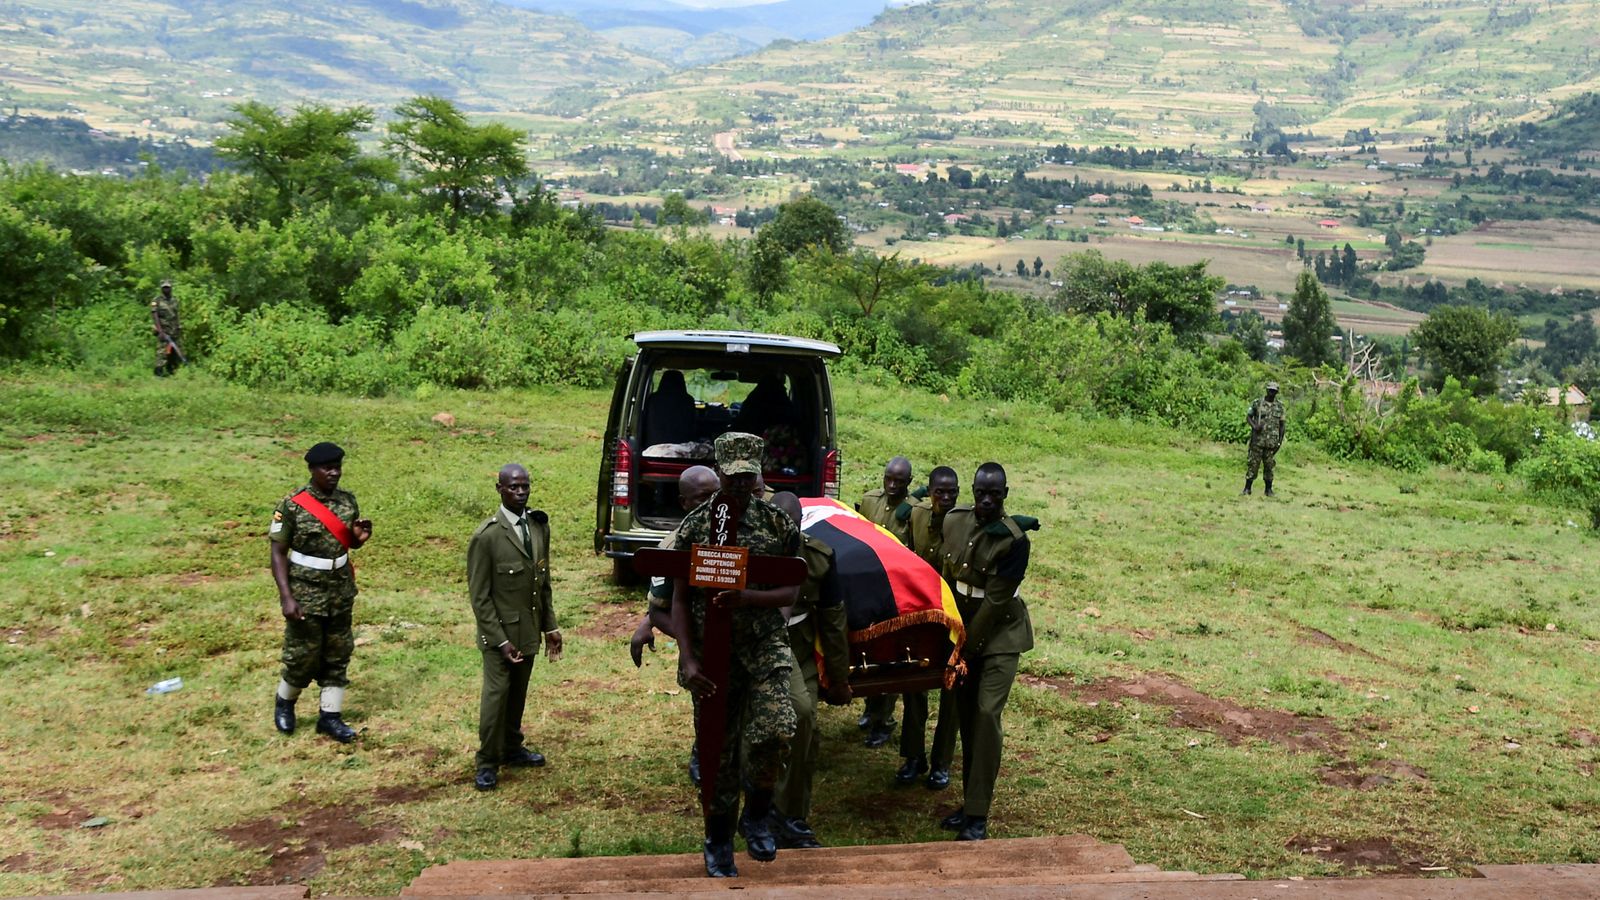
(1272, 385)
(166, 282)
(324, 453)
(739, 453)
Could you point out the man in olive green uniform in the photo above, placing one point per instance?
(760, 720)
(1265, 419)
(508, 582)
(880, 506)
(985, 559)
(927, 541)
(169, 332)
(312, 533)
(695, 486)
(816, 622)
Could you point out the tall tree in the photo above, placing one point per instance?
(1308, 325)
(469, 165)
(1467, 343)
(309, 157)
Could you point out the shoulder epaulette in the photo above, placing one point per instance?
(539, 516)
(1012, 525)
(817, 544)
(903, 511)
(485, 526)
(920, 493)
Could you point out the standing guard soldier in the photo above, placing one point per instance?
(1265, 419)
(816, 622)
(169, 332)
(985, 559)
(312, 533)
(760, 716)
(881, 506)
(508, 582)
(927, 541)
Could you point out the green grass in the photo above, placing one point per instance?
(132, 522)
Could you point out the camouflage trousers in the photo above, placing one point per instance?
(756, 737)
(318, 648)
(1260, 458)
(166, 360)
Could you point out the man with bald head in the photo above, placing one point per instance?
(508, 582)
(695, 486)
(883, 507)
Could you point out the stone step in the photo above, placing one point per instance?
(826, 883)
(1045, 860)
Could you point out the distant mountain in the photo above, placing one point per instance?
(1154, 72)
(645, 24)
(174, 66)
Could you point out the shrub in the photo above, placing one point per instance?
(293, 348)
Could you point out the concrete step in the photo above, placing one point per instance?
(1037, 861)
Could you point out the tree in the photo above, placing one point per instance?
(676, 211)
(1038, 266)
(1349, 264)
(1022, 269)
(312, 156)
(1308, 325)
(1183, 297)
(469, 165)
(1252, 333)
(805, 223)
(870, 278)
(1467, 343)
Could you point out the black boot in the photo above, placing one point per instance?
(758, 839)
(792, 834)
(332, 725)
(719, 847)
(976, 829)
(911, 770)
(283, 714)
(1247, 483)
(1269, 487)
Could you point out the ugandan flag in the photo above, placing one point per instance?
(885, 586)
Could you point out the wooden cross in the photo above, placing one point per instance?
(720, 565)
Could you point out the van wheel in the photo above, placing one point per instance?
(622, 572)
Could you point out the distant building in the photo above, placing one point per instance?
(1261, 208)
(1577, 401)
(1328, 223)
(1099, 199)
(1135, 221)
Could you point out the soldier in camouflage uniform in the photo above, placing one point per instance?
(1265, 419)
(761, 720)
(985, 559)
(927, 541)
(317, 590)
(816, 622)
(169, 332)
(887, 507)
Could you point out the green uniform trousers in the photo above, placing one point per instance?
(1263, 457)
(880, 709)
(318, 648)
(793, 796)
(505, 693)
(980, 700)
(759, 729)
(913, 731)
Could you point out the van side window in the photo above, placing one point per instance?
(668, 412)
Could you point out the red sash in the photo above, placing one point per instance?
(335, 525)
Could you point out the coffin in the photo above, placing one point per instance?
(905, 632)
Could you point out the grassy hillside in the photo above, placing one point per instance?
(1399, 662)
(1156, 73)
(172, 67)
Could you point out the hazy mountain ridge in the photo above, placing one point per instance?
(178, 64)
(1148, 72)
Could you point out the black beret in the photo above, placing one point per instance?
(324, 453)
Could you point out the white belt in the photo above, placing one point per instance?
(967, 590)
(317, 562)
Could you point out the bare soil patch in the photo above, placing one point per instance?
(1379, 854)
(609, 620)
(298, 838)
(1347, 774)
(1232, 722)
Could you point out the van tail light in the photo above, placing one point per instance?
(830, 474)
(622, 475)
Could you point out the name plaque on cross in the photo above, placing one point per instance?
(718, 567)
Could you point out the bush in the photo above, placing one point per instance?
(293, 348)
(1566, 469)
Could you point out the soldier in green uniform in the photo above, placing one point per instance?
(880, 506)
(1265, 419)
(169, 332)
(695, 486)
(816, 622)
(927, 541)
(985, 559)
(508, 582)
(761, 721)
(312, 533)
